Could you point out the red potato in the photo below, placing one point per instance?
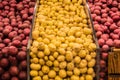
(6, 7)
(13, 60)
(23, 75)
(5, 76)
(101, 42)
(25, 42)
(115, 3)
(20, 26)
(115, 36)
(4, 62)
(105, 47)
(23, 65)
(20, 6)
(2, 45)
(110, 20)
(31, 10)
(109, 2)
(97, 12)
(103, 11)
(6, 31)
(26, 31)
(109, 42)
(21, 55)
(102, 64)
(97, 7)
(4, 3)
(24, 16)
(114, 9)
(116, 31)
(13, 70)
(12, 34)
(25, 25)
(98, 18)
(98, 33)
(104, 56)
(113, 26)
(24, 48)
(117, 43)
(17, 38)
(11, 13)
(6, 20)
(100, 29)
(93, 15)
(5, 51)
(14, 24)
(22, 36)
(116, 18)
(20, 31)
(107, 23)
(105, 28)
(104, 15)
(105, 36)
(13, 50)
(8, 27)
(12, 9)
(14, 78)
(16, 42)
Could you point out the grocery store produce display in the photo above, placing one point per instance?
(106, 19)
(62, 42)
(15, 24)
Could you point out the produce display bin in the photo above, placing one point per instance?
(86, 7)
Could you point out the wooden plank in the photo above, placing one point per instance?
(113, 78)
(114, 63)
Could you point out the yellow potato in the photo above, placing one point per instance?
(52, 74)
(62, 73)
(45, 69)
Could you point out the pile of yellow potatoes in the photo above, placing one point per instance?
(62, 47)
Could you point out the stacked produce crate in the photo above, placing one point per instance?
(106, 19)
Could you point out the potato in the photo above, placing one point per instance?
(62, 73)
(52, 74)
(45, 69)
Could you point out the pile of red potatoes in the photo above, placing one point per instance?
(15, 23)
(106, 19)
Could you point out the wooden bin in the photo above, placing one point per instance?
(114, 64)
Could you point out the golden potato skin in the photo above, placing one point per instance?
(62, 44)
